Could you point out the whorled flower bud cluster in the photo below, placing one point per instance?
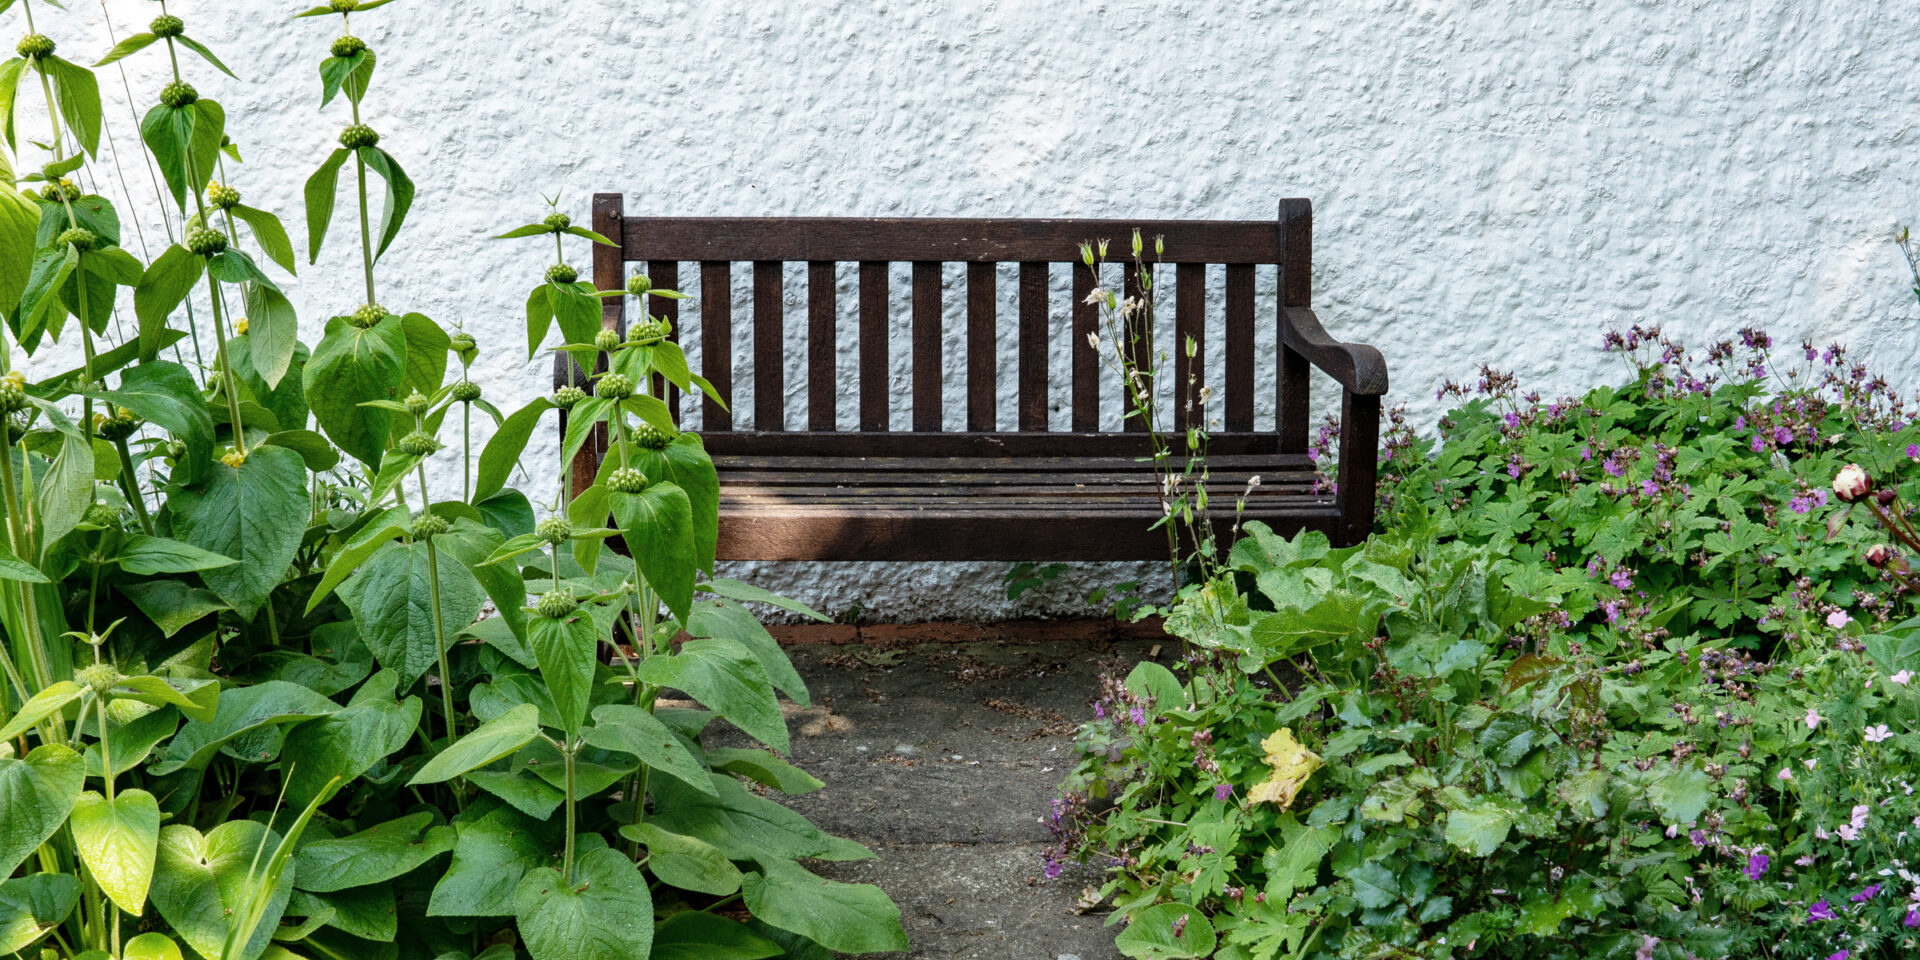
(66, 189)
(120, 426)
(463, 343)
(222, 197)
(346, 46)
(358, 135)
(466, 391)
(650, 436)
(368, 316)
(167, 26)
(428, 526)
(652, 331)
(13, 392)
(562, 273)
(638, 284)
(80, 238)
(343, 6)
(556, 604)
(613, 386)
(101, 515)
(100, 677)
(569, 396)
(606, 341)
(206, 241)
(626, 480)
(418, 444)
(557, 222)
(179, 94)
(35, 46)
(417, 403)
(555, 530)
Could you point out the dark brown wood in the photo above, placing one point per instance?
(1359, 464)
(1295, 388)
(1239, 349)
(983, 352)
(984, 241)
(1189, 333)
(927, 371)
(1013, 445)
(716, 341)
(769, 346)
(1086, 354)
(876, 384)
(665, 275)
(1033, 346)
(823, 353)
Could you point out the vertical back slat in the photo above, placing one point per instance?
(1239, 355)
(716, 341)
(927, 371)
(1296, 290)
(1139, 346)
(1033, 347)
(1189, 324)
(665, 275)
(982, 349)
(769, 346)
(874, 385)
(1086, 356)
(823, 355)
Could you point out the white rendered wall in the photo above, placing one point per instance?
(1493, 182)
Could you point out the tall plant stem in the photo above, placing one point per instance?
(366, 229)
(227, 384)
(466, 458)
(570, 750)
(34, 641)
(433, 594)
(129, 484)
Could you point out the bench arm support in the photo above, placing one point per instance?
(1358, 368)
(1362, 375)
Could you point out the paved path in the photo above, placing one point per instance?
(942, 758)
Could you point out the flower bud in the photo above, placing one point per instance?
(417, 403)
(81, 238)
(626, 480)
(556, 604)
(166, 26)
(177, 450)
(606, 341)
(428, 526)
(222, 197)
(653, 331)
(179, 94)
(554, 530)
(119, 426)
(463, 343)
(13, 392)
(240, 326)
(568, 396)
(344, 6)
(233, 458)
(101, 515)
(99, 676)
(1878, 555)
(368, 316)
(1851, 483)
(650, 437)
(206, 242)
(1885, 496)
(638, 284)
(558, 222)
(35, 46)
(613, 386)
(562, 273)
(358, 135)
(418, 444)
(346, 46)
(466, 391)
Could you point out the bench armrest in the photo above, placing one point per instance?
(1355, 366)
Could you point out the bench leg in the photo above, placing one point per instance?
(1359, 465)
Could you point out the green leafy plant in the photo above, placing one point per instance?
(232, 591)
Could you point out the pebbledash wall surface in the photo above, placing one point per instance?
(1496, 182)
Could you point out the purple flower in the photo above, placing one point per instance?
(1913, 451)
(1512, 419)
(1913, 918)
(1649, 488)
(1782, 435)
(1614, 467)
(1820, 911)
(1867, 894)
(1759, 443)
(1100, 709)
(1839, 955)
(1757, 866)
(1053, 869)
(1586, 451)
(1513, 470)
(1740, 422)
(1221, 791)
(1622, 578)
(1139, 715)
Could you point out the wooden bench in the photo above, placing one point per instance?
(1032, 493)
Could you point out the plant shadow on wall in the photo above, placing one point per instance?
(268, 692)
(1624, 675)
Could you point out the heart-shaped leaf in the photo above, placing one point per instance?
(31, 906)
(36, 794)
(118, 840)
(604, 913)
(202, 880)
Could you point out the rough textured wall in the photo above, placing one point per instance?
(1494, 182)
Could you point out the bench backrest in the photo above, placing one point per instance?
(1040, 248)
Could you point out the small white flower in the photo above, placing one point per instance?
(1875, 734)
(1096, 298)
(1093, 340)
(1810, 763)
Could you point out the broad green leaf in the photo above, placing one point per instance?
(1167, 931)
(690, 468)
(185, 143)
(117, 840)
(273, 330)
(354, 74)
(286, 401)
(580, 423)
(78, 95)
(31, 906)
(10, 74)
(426, 354)
(255, 513)
(399, 194)
(205, 54)
(314, 450)
(37, 793)
(587, 511)
(18, 570)
(66, 490)
(503, 449)
(847, 917)
(40, 706)
(1480, 827)
(527, 793)
(320, 191)
(490, 857)
(1681, 795)
(347, 744)
(699, 935)
(246, 724)
(18, 218)
(470, 543)
(367, 912)
(165, 393)
(685, 862)
(604, 913)
(167, 282)
(349, 367)
(392, 602)
(577, 310)
(395, 522)
(151, 946)
(171, 604)
(491, 741)
(234, 266)
(272, 236)
(748, 593)
(127, 47)
(145, 556)
(742, 825)
(657, 524)
(539, 317)
(381, 852)
(131, 742)
(530, 230)
(508, 512)
(603, 241)
(199, 699)
(762, 767)
(630, 729)
(725, 678)
(203, 880)
(567, 650)
(730, 621)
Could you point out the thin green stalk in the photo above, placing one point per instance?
(570, 750)
(129, 484)
(466, 460)
(366, 228)
(227, 384)
(439, 627)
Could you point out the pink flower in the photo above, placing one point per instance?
(1851, 483)
(1838, 619)
(1786, 773)
(1221, 791)
(1902, 677)
(1813, 719)
(1878, 733)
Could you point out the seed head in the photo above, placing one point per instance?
(222, 197)
(554, 530)
(167, 26)
(358, 135)
(562, 273)
(466, 391)
(206, 241)
(638, 284)
(650, 436)
(627, 480)
(613, 386)
(428, 526)
(81, 238)
(418, 444)
(179, 94)
(35, 46)
(566, 397)
(120, 426)
(369, 316)
(66, 189)
(346, 46)
(558, 222)
(101, 515)
(606, 341)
